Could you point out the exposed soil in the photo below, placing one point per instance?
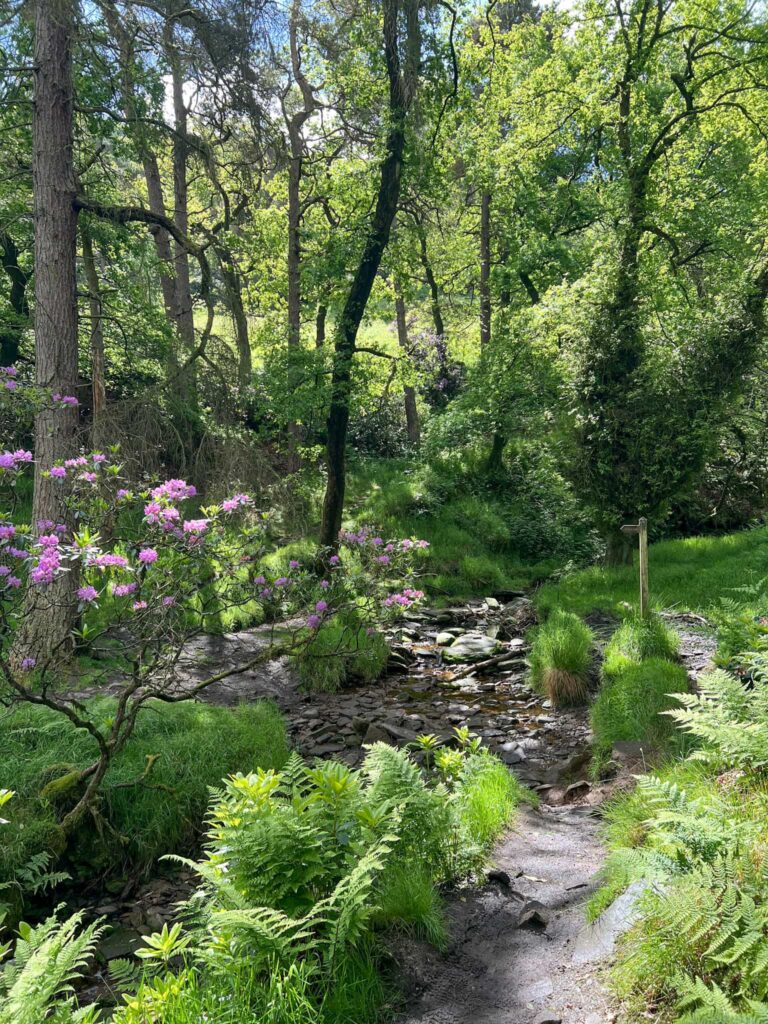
(511, 958)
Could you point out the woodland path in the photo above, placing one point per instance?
(520, 950)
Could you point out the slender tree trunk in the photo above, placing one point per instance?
(294, 238)
(49, 611)
(11, 332)
(98, 362)
(320, 322)
(183, 384)
(434, 291)
(409, 393)
(402, 88)
(485, 268)
(234, 289)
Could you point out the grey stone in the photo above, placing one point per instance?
(471, 647)
(597, 940)
(375, 734)
(534, 914)
(548, 1017)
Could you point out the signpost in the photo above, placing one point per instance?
(641, 529)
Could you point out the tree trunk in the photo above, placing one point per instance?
(402, 88)
(234, 289)
(98, 362)
(409, 393)
(485, 268)
(434, 291)
(11, 332)
(183, 384)
(49, 611)
(320, 321)
(618, 549)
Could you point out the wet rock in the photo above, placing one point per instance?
(445, 638)
(629, 753)
(471, 647)
(548, 1017)
(398, 732)
(499, 876)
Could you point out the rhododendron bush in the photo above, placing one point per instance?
(151, 566)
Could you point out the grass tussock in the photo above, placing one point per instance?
(561, 658)
(631, 705)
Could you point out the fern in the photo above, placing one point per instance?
(36, 985)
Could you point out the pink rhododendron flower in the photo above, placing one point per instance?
(124, 589)
(321, 606)
(138, 605)
(58, 471)
(87, 593)
(313, 621)
(147, 556)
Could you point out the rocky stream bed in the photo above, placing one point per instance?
(520, 952)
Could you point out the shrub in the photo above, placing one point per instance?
(561, 657)
(636, 640)
(192, 745)
(631, 704)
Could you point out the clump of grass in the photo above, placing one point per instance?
(630, 704)
(409, 899)
(636, 640)
(197, 744)
(561, 658)
(342, 650)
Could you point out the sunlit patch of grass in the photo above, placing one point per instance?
(561, 658)
(689, 575)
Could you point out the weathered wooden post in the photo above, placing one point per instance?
(641, 529)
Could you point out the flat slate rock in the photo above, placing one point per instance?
(472, 647)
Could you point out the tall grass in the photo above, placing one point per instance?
(636, 640)
(561, 658)
(630, 705)
(195, 745)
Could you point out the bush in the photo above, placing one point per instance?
(630, 705)
(561, 658)
(636, 640)
(194, 745)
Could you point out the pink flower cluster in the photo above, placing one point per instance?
(66, 400)
(12, 460)
(164, 515)
(235, 502)
(173, 490)
(48, 560)
(108, 561)
(10, 372)
(404, 599)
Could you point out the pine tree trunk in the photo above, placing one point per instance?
(49, 611)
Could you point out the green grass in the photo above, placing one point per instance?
(638, 639)
(561, 658)
(472, 548)
(629, 706)
(689, 575)
(198, 744)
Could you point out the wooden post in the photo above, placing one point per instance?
(643, 537)
(641, 529)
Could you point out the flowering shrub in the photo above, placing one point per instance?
(146, 568)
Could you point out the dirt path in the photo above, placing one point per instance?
(499, 968)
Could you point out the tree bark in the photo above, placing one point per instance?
(98, 361)
(49, 611)
(434, 291)
(485, 268)
(234, 289)
(402, 87)
(412, 424)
